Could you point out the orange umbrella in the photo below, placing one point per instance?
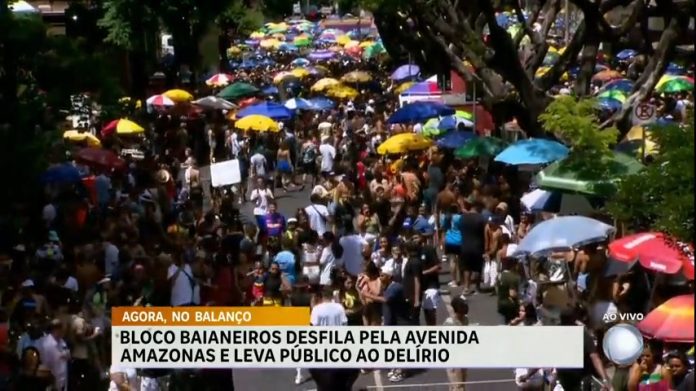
(672, 322)
(606, 75)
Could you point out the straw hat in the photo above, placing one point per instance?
(162, 176)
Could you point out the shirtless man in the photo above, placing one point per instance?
(493, 244)
(445, 199)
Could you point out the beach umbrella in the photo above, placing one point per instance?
(480, 146)
(257, 35)
(407, 71)
(300, 62)
(455, 139)
(238, 90)
(622, 85)
(452, 122)
(319, 55)
(674, 69)
(300, 73)
(671, 322)
(121, 126)
(565, 176)
(324, 84)
(272, 110)
(424, 88)
(431, 129)
(22, 7)
(61, 174)
(252, 42)
(540, 200)
(316, 71)
(551, 58)
(612, 94)
(270, 90)
(356, 77)
(342, 92)
(342, 40)
(419, 112)
(532, 151)
(82, 137)
(606, 75)
(609, 104)
(286, 47)
(299, 104)
(563, 233)
(101, 158)
(219, 80)
(179, 95)
(461, 114)
(402, 143)
(214, 103)
(159, 101)
(302, 41)
(676, 85)
(626, 54)
(373, 51)
(654, 251)
(257, 123)
(278, 78)
(322, 103)
(634, 141)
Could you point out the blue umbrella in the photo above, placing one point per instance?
(623, 85)
(609, 104)
(251, 42)
(271, 90)
(419, 111)
(300, 62)
(286, 47)
(532, 151)
(64, 173)
(299, 104)
(321, 55)
(502, 20)
(563, 233)
(267, 62)
(322, 103)
(454, 140)
(269, 109)
(405, 72)
(626, 54)
(249, 64)
(674, 69)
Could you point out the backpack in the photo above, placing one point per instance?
(309, 155)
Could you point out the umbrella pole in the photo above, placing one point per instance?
(653, 290)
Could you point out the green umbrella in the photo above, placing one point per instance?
(464, 114)
(481, 146)
(237, 90)
(676, 85)
(580, 177)
(613, 94)
(302, 41)
(430, 128)
(373, 51)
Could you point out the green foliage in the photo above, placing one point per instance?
(242, 19)
(277, 8)
(119, 29)
(661, 197)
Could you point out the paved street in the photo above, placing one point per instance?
(482, 311)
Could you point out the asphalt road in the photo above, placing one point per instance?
(482, 311)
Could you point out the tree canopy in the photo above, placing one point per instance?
(507, 65)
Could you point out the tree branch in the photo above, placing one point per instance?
(550, 78)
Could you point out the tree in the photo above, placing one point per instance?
(506, 66)
(661, 197)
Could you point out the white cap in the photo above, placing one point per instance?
(28, 283)
(371, 102)
(292, 220)
(281, 125)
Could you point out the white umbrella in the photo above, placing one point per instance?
(563, 233)
(22, 7)
(299, 104)
(556, 202)
(214, 103)
(159, 101)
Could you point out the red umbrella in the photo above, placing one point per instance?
(655, 251)
(100, 158)
(672, 322)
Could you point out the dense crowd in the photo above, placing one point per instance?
(369, 247)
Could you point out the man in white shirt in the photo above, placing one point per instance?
(328, 154)
(55, 355)
(318, 214)
(352, 245)
(185, 288)
(261, 196)
(258, 164)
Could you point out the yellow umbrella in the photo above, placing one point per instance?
(356, 77)
(259, 123)
(365, 44)
(403, 87)
(257, 35)
(178, 95)
(402, 143)
(300, 72)
(269, 43)
(234, 50)
(342, 92)
(278, 36)
(664, 79)
(78, 137)
(634, 141)
(324, 84)
(542, 71)
(282, 76)
(343, 40)
(351, 44)
(336, 48)
(322, 68)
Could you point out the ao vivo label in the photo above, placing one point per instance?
(628, 317)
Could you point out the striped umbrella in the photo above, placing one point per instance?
(671, 322)
(219, 80)
(160, 101)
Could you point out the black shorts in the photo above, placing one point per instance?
(471, 261)
(453, 249)
(309, 168)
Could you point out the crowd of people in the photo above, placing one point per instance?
(369, 247)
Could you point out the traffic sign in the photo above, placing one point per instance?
(644, 113)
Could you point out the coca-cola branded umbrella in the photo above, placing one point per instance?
(100, 158)
(654, 251)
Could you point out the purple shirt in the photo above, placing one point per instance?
(274, 224)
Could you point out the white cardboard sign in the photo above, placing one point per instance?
(225, 173)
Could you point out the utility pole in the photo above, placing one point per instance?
(567, 22)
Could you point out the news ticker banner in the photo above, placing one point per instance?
(280, 337)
